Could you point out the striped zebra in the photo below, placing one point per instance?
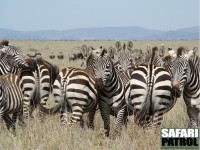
(110, 89)
(37, 76)
(159, 55)
(37, 85)
(10, 100)
(12, 60)
(125, 57)
(75, 88)
(149, 94)
(186, 79)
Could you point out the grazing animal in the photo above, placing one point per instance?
(75, 88)
(110, 89)
(12, 60)
(52, 56)
(37, 84)
(186, 79)
(10, 100)
(150, 94)
(60, 55)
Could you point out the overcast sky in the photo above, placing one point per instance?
(30, 15)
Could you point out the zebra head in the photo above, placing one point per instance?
(103, 69)
(180, 70)
(15, 56)
(125, 59)
(192, 52)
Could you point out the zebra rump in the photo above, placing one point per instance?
(75, 89)
(37, 84)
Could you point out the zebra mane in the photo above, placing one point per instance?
(180, 51)
(124, 47)
(167, 58)
(154, 52)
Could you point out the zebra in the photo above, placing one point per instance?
(159, 55)
(186, 79)
(37, 85)
(150, 94)
(10, 100)
(37, 76)
(110, 89)
(12, 60)
(75, 88)
(119, 46)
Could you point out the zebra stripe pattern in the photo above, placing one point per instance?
(12, 60)
(111, 90)
(37, 85)
(186, 79)
(75, 88)
(10, 100)
(149, 94)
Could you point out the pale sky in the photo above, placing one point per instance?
(31, 15)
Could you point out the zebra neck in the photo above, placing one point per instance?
(193, 80)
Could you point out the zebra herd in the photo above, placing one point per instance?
(143, 84)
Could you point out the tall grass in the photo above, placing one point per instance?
(53, 136)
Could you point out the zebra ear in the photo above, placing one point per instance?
(148, 49)
(90, 49)
(162, 50)
(111, 52)
(84, 48)
(130, 45)
(103, 53)
(118, 45)
(195, 49)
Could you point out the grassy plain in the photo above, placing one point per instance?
(50, 135)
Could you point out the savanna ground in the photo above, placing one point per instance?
(52, 136)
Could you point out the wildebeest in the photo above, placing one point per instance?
(60, 55)
(52, 56)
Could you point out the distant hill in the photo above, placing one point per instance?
(107, 33)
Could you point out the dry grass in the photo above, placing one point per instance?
(51, 135)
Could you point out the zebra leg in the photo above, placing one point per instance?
(77, 114)
(44, 97)
(158, 119)
(120, 119)
(82, 123)
(192, 114)
(9, 122)
(91, 116)
(106, 118)
(63, 115)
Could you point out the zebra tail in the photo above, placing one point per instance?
(146, 109)
(57, 108)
